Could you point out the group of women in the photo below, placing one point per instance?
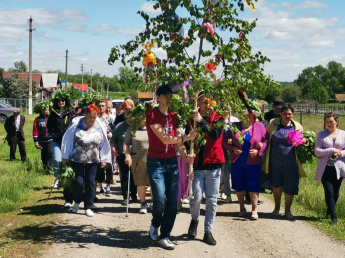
(151, 154)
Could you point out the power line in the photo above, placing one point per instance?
(16, 44)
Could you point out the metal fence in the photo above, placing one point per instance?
(23, 104)
(316, 108)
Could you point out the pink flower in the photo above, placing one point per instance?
(295, 138)
(209, 27)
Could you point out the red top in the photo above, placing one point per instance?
(169, 124)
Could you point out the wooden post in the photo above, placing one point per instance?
(301, 118)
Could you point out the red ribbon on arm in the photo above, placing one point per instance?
(244, 101)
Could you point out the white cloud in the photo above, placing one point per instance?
(148, 8)
(75, 27)
(113, 29)
(310, 4)
(327, 44)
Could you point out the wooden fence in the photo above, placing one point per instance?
(315, 108)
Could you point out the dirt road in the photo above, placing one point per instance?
(111, 234)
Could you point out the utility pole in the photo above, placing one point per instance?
(107, 90)
(66, 75)
(30, 66)
(82, 76)
(91, 79)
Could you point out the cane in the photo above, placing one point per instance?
(129, 181)
(51, 190)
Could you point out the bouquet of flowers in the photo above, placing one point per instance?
(295, 138)
(304, 152)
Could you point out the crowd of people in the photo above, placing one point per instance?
(155, 158)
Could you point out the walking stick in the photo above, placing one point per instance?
(129, 181)
(53, 185)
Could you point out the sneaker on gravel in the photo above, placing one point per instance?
(89, 213)
(242, 213)
(94, 207)
(166, 244)
(67, 205)
(75, 208)
(275, 212)
(124, 202)
(208, 238)
(185, 200)
(143, 208)
(193, 228)
(153, 233)
(289, 215)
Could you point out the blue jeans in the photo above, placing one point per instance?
(164, 184)
(56, 157)
(205, 181)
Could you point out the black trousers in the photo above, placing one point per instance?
(123, 167)
(47, 156)
(13, 141)
(331, 185)
(84, 172)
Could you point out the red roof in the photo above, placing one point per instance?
(36, 77)
(81, 87)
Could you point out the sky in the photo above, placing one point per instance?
(293, 34)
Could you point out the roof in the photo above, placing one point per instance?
(145, 95)
(50, 80)
(36, 77)
(82, 87)
(340, 97)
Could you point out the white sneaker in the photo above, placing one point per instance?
(185, 200)
(166, 244)
(56, 185)
(153, 233)
(75, 208)
(223, 196)
(143, 208)
(89, 213)
(67, 205)
(228, 199)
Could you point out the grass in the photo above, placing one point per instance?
(117, 95)
(28, 218)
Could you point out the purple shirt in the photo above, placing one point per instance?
(258, 134)
(324, 148)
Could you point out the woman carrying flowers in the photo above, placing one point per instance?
(281, 160)
(330, 150)
(246, 161)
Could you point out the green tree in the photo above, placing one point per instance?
(14, 87)
(228, 51)
(313, 89)
(74, 93)
(291, 93)
(19, 67)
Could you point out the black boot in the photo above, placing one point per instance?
(208, 238)
(334, 221)
(193, 228)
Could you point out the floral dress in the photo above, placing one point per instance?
(87, 143)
